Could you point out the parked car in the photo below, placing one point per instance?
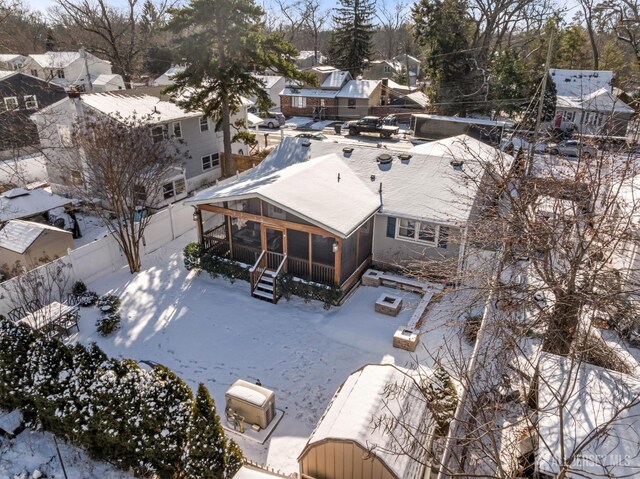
(572, 148)
(372, 124)
(312, 136)
(270, 119)
(516, 143)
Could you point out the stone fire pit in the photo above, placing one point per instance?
(389, 304)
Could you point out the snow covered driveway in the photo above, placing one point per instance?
(211, 331)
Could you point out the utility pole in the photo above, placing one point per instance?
(83, 54)
(543, 89)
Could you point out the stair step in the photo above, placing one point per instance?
(266, 279)
(262, 294)
(265, 286)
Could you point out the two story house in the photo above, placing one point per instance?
(12, 62)
(201, 144)
(20, 96)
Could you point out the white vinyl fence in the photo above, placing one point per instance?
(104, 256)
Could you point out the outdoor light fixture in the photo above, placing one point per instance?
(335, 247)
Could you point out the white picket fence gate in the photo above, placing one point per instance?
(104, 256)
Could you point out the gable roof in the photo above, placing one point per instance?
(5, 73)
(12, 57)
(358, 89)
(62, 59)
(362, 401)
(18, 235)
(588, 397)
(269, 80)
(578, 83)
(21, 203)
(333, 197)
(125, 106)
(335, 79)
(309, 92)
(106, 79)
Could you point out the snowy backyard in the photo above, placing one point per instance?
(212, 331)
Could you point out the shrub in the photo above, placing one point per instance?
(217, 266)
(192, 254)
(88, 298)
(108, 303)
(108, 323)
(442, 400)
(288, 286)
(78, 288)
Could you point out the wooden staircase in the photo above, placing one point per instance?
(264, 276)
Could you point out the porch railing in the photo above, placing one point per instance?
(245, 254)
(319, 273)
(268, 260)
(257, 270)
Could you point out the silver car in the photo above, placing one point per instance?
(572, 148)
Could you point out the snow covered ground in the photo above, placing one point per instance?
(211, 331)
(32, 454)
(91, 227)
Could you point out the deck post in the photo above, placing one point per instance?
(338, 261)
(198, 215)
(229, 235)
(310, 278)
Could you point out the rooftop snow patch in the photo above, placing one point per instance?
(578, 83)
(309, 92)
(362, 401)
(335, 79)
(18, 236)
(358, 89)
(127, 106)
(269, 80)
(30, 204)
(61, 59)
(323, 190)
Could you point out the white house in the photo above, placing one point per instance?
(12, 61)
(585, 101)
(68, 69)
(167, 77)
(273, 85)
(107, 82)
(202, 146)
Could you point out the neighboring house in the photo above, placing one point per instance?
(167, 77)
(308, 58)
(332, 211)
(12, 62)
(412, 101)
(357, 98)
(365, 433)
(273, 85)
(585, 101)
(78, 69)
(322, 71)
(335, 80)
(20, 96)
(380, 69)
(22, 203)
(588, 420)
(295, 101)
(413, 65)
(108, 82)
(31, 244)
(201, 145)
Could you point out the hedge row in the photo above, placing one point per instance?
(138, 420)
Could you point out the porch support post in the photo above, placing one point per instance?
(310, 257)
(338, 261)
(198, 213)
(229, 238)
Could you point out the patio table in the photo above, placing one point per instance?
(45, 318)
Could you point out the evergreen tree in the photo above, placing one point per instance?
(209, 455)
(573, 48)
(401, 77)
(442, 27)
(351, 40)
(224, 40)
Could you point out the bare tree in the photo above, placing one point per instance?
(590, 9)
(625, 18)
(314, 20)
(391, 19)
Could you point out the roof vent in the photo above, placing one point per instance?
(404, 156)
(457, 164)
(347, 150)
(306, 144)
(385, 158)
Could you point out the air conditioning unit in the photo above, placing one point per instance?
(256, 404)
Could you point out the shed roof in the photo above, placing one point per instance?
(28, 203)
(125, 106)
(358, 89)
(18, 235)
(322, 190)
(574, 400)
(362, 401)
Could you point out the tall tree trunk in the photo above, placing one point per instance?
(226, 138)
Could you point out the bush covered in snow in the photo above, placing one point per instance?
(88, 298)
(118, 412)
(78, 288)
(108, 303)
(289, 286)
(192, 254)
(108, 323)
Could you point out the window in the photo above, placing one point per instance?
(157, 133)
(76, 177)
(351, 103)
(210, 161)
(418, 231)
(60, 73)
(569, 115)
(30, 102)
(11, 103)
(177, 129)
(387, 69)
(34, 72)
(204, 124)
(298, 102)
(174, 188)
(139, 194)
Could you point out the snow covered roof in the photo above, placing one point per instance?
(250, 472)
(18, 235)
(335, 79)
(398, 87)
(361, 401)
(309, 92)
(5, 73)
(12, 57)
(578, 83)
(358, 89)
(475, 121)
(333, 197)
(418, 98)
(600, 100)
(21, 203)
(106, 79)
(61, 59)
(304, 54)
(251, 393)
(269, 80)
(126, 106)
(574, 400)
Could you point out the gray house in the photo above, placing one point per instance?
(200, 166)
(324, 212)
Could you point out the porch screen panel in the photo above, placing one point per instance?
(323, 257)
(298, 253)
(349, 260)
(365, 242)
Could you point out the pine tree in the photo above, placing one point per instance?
(208, 451)
(351, 41)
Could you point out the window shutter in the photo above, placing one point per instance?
(391, 227)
